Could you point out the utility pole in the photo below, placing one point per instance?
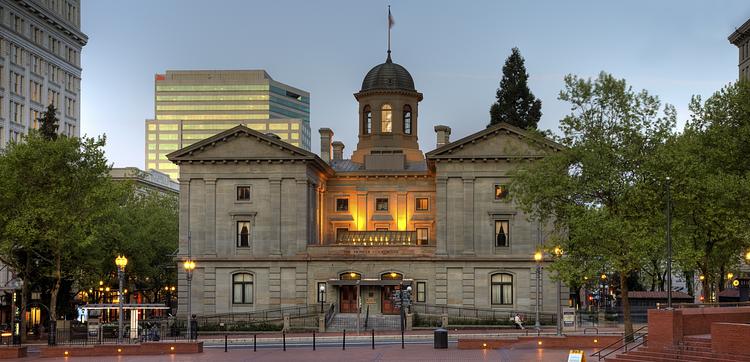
(669, 246)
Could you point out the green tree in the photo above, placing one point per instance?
(515, 103)
(592, 190)
(49, 123)
(53, 196)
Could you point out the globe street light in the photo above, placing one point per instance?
(322, 293)
(559, 253)
(538, 260)
(121, 262)
(189, 266)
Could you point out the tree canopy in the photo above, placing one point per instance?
(515, 103)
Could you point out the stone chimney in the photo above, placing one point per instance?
(338, 150)
(443, 135)
(325, 144)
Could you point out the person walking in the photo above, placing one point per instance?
(518, 322)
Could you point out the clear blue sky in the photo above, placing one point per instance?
(453, 49)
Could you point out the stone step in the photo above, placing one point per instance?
(669, 356)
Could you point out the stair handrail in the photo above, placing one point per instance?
(367, 316)
(632, 337)
(330, 313)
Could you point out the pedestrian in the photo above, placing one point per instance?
(517, 321)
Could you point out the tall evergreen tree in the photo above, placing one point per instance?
(48, 121)
(516, 104)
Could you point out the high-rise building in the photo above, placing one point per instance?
(741, 39)
(40, 63)
(196, 104)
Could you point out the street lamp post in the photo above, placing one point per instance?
(538, 259)
(321, 293)
(121, 262)
(189, 266)
(559, 254)
(669, 246)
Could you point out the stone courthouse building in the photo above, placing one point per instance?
(270, 225)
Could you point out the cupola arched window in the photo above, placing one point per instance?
(367, 120)
(386, 119)
(407, 119)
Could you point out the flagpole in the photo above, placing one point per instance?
(389, 31)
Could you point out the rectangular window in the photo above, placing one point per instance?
(502, 233)
(167, 146)
(502, 289)
(501, 191)
(243, 193)
(168, 137)
(152, 146)
(422, 204)
(421, 292)
(423, 236)
(381, 204)
(278, 126)
(243, 234)
(342, 205)
(242, 288)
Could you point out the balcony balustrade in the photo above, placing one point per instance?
(378, 238)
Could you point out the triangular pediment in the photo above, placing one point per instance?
(499, 141)
(240, 143)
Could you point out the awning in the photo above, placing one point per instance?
(364, 282)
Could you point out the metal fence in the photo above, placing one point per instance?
(152, 330)
(428, 313)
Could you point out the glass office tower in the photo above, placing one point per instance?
(193, 105)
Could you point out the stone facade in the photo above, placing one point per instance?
(741, 39)
(269, 224)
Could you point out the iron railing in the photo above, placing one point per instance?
(257, 317)
(330, 313)
(378, 238)
(476, 315)
(632, 341)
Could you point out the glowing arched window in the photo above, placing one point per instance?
(407, 119)
(391, 276)
(367, 120)
(386, 119)
(350, 276)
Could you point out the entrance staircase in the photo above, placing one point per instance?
(693, 349)
(378, 322)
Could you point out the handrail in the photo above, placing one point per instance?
(271, 314)
(329, 314)
(624, 341)
(367, 316)
(474, 313)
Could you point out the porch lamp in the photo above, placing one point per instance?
(121, 262)
(747, 256)
(538, 260)
(189, 266)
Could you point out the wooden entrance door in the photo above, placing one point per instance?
(387, 305)
(348, 299)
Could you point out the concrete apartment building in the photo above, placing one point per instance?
(193, 105)
(40, 63)
(145, 181)
(741, 39)
(270, 225)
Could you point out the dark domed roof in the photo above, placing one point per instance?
(388, 75)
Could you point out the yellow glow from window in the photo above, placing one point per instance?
(167, 166)
(198, 88)
(283, 136)
(167, 127)
(295, 136)
(168, 137)
(152, 146)
(257, 126)
(151, 156)
(209, 116)
(168, 146)
(151, 127)
(219, 126)
(278, 126)
(212, 107)
(385, 119)
(151, 165)
(259, 97)
(295, 125)
(196, 136)
(151, 137)
(402, 223)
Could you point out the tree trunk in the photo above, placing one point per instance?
(24, 299)
(689, 283)
(626, 306)
(55, 290)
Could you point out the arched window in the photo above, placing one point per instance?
(350, 276)
(242, 288)
(386, 119)
(391, 276)
(407, 119)
(501, 289)
(367, 120)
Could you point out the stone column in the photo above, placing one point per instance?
(441, 199)
(362, 220)
(210, 243)
(303, 211)
(275, 203)
(184, 215)
(468, 232)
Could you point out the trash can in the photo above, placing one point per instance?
(441, 338)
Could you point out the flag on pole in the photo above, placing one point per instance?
(391, 22)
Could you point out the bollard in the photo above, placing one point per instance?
(343, 341)
(283, 340)
(313, 340)
(373, 338)
(226, 339)
(255, 345)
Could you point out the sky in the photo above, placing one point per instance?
(454, 50)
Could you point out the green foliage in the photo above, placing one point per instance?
(516, 104)
(592, 190)
(48, 123)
